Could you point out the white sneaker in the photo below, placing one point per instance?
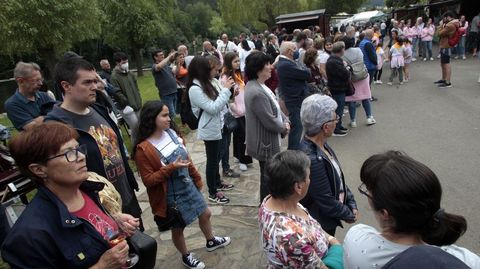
(431, 59)
(456, 57)
(353, 124)
(375, 82)
(438, 56)
(414, 59)
(371, 121)
(463, 57)
(424, 59)
(389, 83)
(401, 82)
(243, 167)
(379, 82)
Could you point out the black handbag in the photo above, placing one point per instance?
(173, 218)
(230, 123)
(145, 247)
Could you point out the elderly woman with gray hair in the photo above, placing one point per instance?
(329, 200)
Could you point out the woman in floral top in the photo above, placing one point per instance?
(291, 237)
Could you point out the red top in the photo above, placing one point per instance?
(103, 223)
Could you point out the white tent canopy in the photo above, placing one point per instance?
(360, 17)
(365, 16)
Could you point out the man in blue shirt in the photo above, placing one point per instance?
(28, 106)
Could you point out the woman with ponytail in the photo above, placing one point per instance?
(405, 196)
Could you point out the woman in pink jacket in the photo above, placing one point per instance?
(427, 37)
(231, 68)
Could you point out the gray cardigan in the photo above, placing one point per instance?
(262, 126)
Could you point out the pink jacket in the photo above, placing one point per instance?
(428, 32)
(237, 108)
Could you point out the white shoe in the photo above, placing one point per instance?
(379, 82)
(401, 82)
(371, 121)
(414, 59)
(375, 82)
(353, 124)
(424, 59)
(438, 56)
(243, 167)
(456, 57)
(389, 83)
(463, 57)
(405, 80)
(431, 59)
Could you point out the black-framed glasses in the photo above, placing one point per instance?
(363, 190)
(337, 118)
(72, 154)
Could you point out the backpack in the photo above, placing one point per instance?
(186, 113)
(455, 38)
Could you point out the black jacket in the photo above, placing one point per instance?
(95, 160)
(338, 75)
(322, 199)
(47, 235)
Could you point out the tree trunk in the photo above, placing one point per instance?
(49, 56)
(138, 59)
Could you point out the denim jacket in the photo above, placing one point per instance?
(322, 199)
(47, 235)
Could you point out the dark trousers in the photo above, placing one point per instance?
(296, 127)
(339, 97)
(378, 75)
(225, 150)
(239, 146)
(371, 73)
(212, 149)
(264, 191)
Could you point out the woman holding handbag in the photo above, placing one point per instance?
(231, 68)
(172, 181)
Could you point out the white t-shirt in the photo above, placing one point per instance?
(364, 247)
(224, 48)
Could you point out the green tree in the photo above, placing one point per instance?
(258, 13)
(46, 27)
(136, 23)
(201, 15)
(404, 3)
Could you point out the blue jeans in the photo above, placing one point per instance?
(427, 48)
(414, 47)
(171, 102)
(225, 150)
(340, 99)
(296, 127)
(352, 109)
(461, 46)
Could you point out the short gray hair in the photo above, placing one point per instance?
(316, 110)
(338, 46)
(285, 46)
(23, 69)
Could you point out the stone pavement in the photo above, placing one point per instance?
(238, 219)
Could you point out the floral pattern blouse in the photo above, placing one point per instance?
(290, 241)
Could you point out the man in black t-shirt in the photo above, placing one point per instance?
(106, 154)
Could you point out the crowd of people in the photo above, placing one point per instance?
(258, 90)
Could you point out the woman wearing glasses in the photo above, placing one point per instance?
(64, 226)
(405, 197)
(328, 200)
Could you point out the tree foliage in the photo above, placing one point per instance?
(136, 23)
(46, 27)
(403, 3)
(258, 13)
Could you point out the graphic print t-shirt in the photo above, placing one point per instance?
(104, 224)
(108, 144)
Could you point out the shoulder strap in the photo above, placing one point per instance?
(201, 110)
(172, 136)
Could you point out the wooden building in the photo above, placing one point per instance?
(305, 19)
